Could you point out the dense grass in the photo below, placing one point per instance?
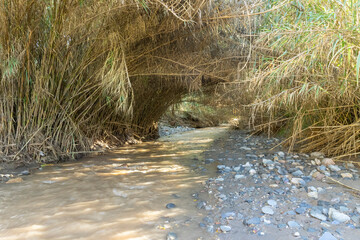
(306, 75)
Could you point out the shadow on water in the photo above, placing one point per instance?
(121, 195)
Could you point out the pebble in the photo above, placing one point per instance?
(334, 168)
(171, 236)
(298, 173)
(267, 210)
(293, 224)
(327, 162)
(170, 205)
(25, 172)
(318, 215)
(298, 181)
(253, 221)
(313, 195)
(300, 210)
(281, 154)
(272, 203)
(225, 228)
(346, 175)
(327, 236)
(238, 176)
(252, 172)
(338, 216)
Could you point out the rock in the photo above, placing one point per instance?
(298, 181)
(252, 221)
(238, 176)
(298, 173)
(293, 224)
(272, 203)
(25, 172)
(281, 225)
(327, 162)
(267, 210)
(225, 228)
(247, 165)
(301, 210)
(252, 172)
(346, 175)
(281, 154)
(317, 155)
(318, 215)
(334, 168)
(170, 205)
(228, 215)
(236, 169)
(318, 176)
(171, 236)
(338, 216)
(267, 162)
(210, 229)
(296, 234)
(313, 195)
(327, 236)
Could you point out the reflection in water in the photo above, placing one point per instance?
(121, 195)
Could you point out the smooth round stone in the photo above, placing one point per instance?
(267, 210)
(225, 228)
(170, 205)
(338, 216)
(272, 203)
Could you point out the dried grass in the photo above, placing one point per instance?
(74, 72)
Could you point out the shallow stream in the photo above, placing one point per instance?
(120, 195)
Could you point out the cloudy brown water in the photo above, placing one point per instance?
(120, 195)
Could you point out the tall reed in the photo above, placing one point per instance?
(306, 74)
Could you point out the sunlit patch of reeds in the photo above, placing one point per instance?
(306, 75)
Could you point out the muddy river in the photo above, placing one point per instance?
(120, 195)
